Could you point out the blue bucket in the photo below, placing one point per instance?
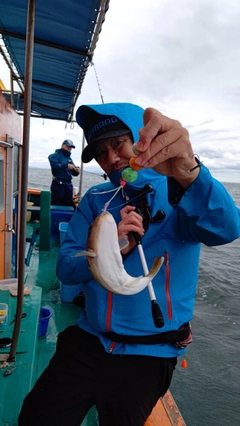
(45, 315)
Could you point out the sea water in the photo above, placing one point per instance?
(207, 392)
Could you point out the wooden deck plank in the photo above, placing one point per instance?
(165, 413)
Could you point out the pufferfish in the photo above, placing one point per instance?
(105, 260)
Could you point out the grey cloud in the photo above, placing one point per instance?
(180, 56)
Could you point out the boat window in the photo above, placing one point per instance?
(1, 183)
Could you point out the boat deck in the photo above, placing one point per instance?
(14, 386)
(33, 353)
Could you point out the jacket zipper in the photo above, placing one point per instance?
(112, 346)
(167, 285)
(109, 311)
(108, 319)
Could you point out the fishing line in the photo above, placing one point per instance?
(116, 190)
(106, 205)
(128, 175)
(94, 192)
(108, 202)
(129, 200)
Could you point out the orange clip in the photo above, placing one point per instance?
(184, 363)
(133, 165)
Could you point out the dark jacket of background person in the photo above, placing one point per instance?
(61, 187)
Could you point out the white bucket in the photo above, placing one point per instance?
(75, 190)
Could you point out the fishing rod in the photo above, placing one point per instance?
(156, 310)
(146, 215)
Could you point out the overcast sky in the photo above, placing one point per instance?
(179, 56)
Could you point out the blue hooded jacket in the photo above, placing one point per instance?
(59, 161)
(204, 213)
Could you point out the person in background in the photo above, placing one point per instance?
(117, 357)
(63, 168)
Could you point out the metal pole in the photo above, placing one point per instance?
(12, 88)
(24, 182)
(81, 171)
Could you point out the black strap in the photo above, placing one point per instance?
(62, 180)
(166, 337)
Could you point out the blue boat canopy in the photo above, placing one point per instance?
(65, 37)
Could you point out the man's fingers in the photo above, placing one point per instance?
(165, 146)
(126, 210)
(131, 222)
(155, 124)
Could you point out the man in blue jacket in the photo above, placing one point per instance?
(63, 168)
(119, 357)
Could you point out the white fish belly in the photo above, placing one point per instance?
(109, 263)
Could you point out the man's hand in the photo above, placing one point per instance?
(131, 222)
(71, 167)
(164, 145)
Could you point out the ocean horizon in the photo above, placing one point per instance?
(223, 175)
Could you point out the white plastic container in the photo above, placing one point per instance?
(13, 288)
(3, 313)
(75, 190)
(11, 285)
(4, 284)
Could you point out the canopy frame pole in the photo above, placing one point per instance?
(81, 170)
(24, 181)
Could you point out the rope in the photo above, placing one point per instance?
(99, 88)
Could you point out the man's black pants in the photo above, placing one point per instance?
(61, 195)
(81, 374)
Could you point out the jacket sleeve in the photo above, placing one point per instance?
(206, 212)
(71, 269)
(74, 172)
(55, 162)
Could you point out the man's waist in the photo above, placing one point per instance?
(62, 179)
(171, 337)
